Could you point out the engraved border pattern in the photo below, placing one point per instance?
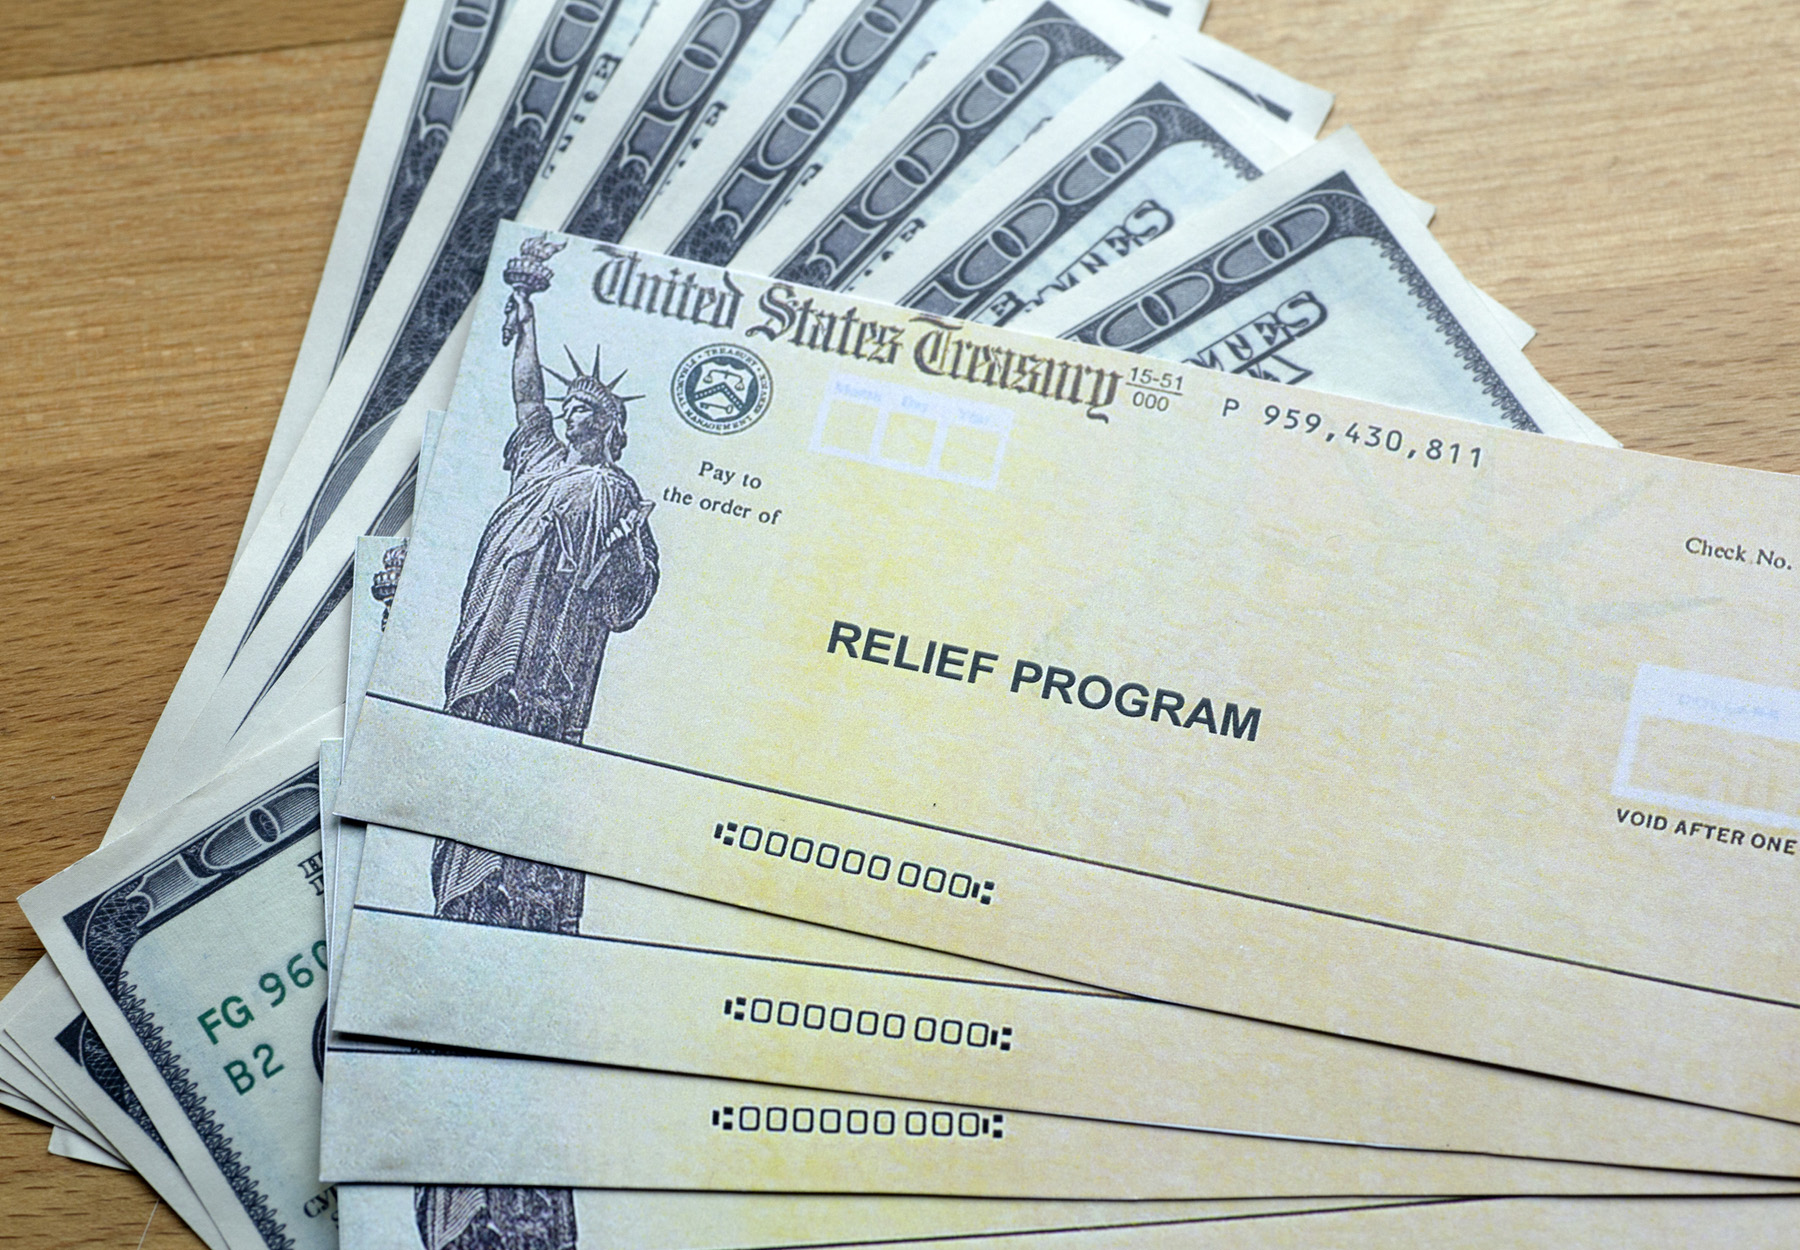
(107, 927)
(1351, 217)
(1176, 123)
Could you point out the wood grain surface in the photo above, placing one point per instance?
(1625, 174)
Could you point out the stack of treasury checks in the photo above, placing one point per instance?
(923, 621)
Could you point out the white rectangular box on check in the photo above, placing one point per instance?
(1717, 745)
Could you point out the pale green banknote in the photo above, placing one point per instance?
(1318, 276)
(195, 949)
(694, 59)
(825, 93)
(1136, 152)
(1019, 64)
(438, 52)
(280, 619)
(51, 1027)
(838, 70)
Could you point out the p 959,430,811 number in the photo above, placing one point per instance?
(1385, 439)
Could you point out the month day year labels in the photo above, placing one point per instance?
(1184, 684)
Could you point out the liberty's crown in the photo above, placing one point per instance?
(587, 387)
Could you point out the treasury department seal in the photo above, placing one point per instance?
(721, 389)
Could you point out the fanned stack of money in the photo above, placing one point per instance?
(921, 620)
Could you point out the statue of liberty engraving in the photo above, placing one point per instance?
(495, 1217)
(486, 887)
(567, 559)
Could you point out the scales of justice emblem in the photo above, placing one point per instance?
(567, 559)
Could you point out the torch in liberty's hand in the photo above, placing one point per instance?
(528, 274)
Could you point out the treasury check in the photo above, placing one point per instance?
(1318, 275)
(435, 1118)
(1150, 143)
(398, 1217)
(482, 893)
(375, 576)
(1154, 677)
(1018, 64)
(1743, 1224)
(418, 1117)
(446, 935)
(624, 974)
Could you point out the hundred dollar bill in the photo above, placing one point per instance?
(1146, 146)
(405, 1217)
(345, 477)
(1315, 275)
(542, 61)
(46, 1028)
(798, 116)
(1301, 105)
(41, 1106)
(1018, 65)
(1186, 14)
(1214, 751)
(194, 949)
(38, 1092)
(839, 68)
(83, 1070)
(23, 1085)
(642, 978)
(69, 1144)
(36, 1028)
(695, 59)
(393, 1117)
(402, 359)
(438, 50)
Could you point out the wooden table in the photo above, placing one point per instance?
(1624, 175)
